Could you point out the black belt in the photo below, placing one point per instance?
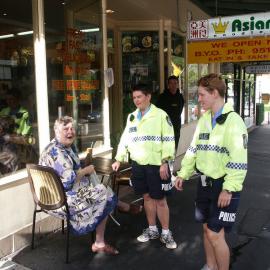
(209, 180)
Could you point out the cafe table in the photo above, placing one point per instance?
(103, 167)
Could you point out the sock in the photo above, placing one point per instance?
(165, 231)
(153, 228)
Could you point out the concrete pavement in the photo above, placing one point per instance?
(249, 241)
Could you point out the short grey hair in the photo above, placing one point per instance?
(64, 120)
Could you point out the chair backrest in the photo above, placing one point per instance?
(46, 186)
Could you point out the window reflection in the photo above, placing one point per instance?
(18, 120)
(140, 63)
(193, 76)
(74, 69)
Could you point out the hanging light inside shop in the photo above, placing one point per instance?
(90, 30)
(109, 11)
(6, 36)
(25, 33)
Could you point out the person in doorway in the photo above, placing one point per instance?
(218, 152)
(172, 102)
(149, 139)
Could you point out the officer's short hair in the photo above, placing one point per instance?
(143, 88)
(172, 77)
(213, 81)
(64, 120)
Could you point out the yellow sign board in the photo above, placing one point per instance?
(229, 50)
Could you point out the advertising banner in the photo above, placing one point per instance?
(257, 24)
(230, 50)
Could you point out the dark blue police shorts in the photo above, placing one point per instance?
(207, 211)
(146, 179)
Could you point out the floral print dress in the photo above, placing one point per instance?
(88, 204)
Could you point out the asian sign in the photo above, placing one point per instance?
(230, 50)
(257, 24)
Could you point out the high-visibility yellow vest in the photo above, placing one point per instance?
(219, 151)
(148, 140)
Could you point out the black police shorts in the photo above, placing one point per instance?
(207, 211)
(146, 179)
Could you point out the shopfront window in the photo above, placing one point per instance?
(73, 44)
(178, 59)
(18, 117)
(178, 63)
(193, 76)
(203, 69)
(140, 63)
(248, 95)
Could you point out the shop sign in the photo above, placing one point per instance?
(257, 24)
(81, 97)
(258, 69)
(76, 85)
(230, 50)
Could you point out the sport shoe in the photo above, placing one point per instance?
(148, 235)
(168, 240)
(206, 267)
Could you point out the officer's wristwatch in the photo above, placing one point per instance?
(164, 161)
(228, 191)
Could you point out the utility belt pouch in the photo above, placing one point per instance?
(203, 180)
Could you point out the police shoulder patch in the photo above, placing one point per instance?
(169, 120)
(131, 117)
(245, 141)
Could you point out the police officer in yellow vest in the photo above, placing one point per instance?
(149, 139)
(218, 152)
(19, 114)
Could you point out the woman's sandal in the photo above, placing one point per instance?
(107, 249)
(134, 209)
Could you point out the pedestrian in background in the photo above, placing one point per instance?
(149, 139)
(172, 102)
(218, 152)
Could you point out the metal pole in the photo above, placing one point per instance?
(41, 73)
(106, 114)
(161, 55)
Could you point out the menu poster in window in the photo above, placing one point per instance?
(137, 72)
(139, 41)
(77, 56)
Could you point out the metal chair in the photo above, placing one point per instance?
(121, 179)
(48, 193)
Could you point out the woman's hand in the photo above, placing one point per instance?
(89, 169)
(178, 183)
(224, 198)
(164, 171)
(115, 166)
(85, 171)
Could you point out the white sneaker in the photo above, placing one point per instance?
(168, 240)
(206, 267)
(148, 235)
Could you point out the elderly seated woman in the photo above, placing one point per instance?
(89, 205)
